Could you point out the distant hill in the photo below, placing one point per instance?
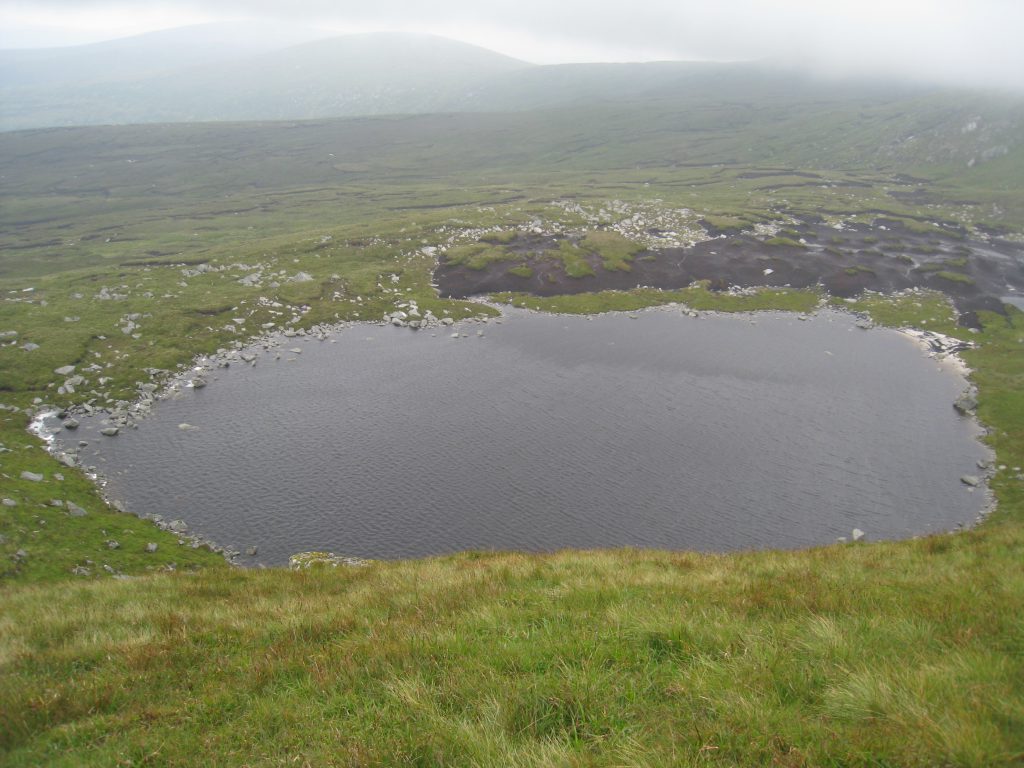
(233, 72)
(134, 58)
(153, 79)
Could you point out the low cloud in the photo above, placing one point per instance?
(950, 41)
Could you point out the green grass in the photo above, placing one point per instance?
(478, 256)
(574, 260)
(784, 242)
(955, 277)
(859, 269)
(921, 309)
(697, 297)
(616, 251)
(899, 654)
(521, 271)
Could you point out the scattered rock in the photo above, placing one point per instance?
(856, 534)
(113, 544)
(178, 526)
(970, 480)
(28, 346)
(71, 424)
(81, 570)
(76, 511)
(64, 370)
(9, 503)
(109, 431)
(305, 560)
(251, 551)
(20, 556)
(151, 547)
(33, 476)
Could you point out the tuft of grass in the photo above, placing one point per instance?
(478, 255)
(521, 271)
(574, 260)
(859, 269)
(616, 251)
(784, 242)
(955, 277)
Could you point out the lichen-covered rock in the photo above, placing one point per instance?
(305, 560)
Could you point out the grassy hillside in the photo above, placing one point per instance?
(874, 654)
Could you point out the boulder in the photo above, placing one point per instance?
(75, 511)
(109, 431)
(966, 404)
(970, 480)
(32, 476)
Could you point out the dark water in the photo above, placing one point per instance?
(663, 431)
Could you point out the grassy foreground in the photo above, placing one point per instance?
(888, 654)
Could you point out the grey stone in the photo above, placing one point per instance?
(33, 476)
(966, 404)
(76, 511)
(178, 526)
(113, 544)
(151, 547)
(970, 480)
(109, 431)
(9, 503)
(71, 424)
(64, 370)
(80, 570)
(251, 551)
(20, 555)
(857, 534)
(28, 346)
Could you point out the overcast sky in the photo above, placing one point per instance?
(958, 41)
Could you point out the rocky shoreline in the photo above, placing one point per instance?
(49, 423)
(54, 425)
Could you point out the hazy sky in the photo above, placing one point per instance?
(960, 41)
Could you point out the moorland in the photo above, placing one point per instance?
(126, 251)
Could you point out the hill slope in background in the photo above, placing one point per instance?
(141, 56)
(167, 77)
